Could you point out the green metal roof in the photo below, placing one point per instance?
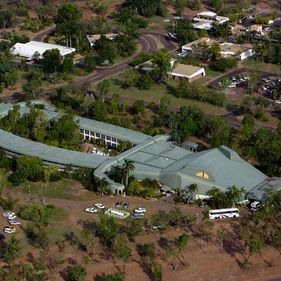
(60, 156)
(106, 129)
(154, 157)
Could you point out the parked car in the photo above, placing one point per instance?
(14, 222)
(137, 215)
(182, 54)
(9, 230)
(140, 210)
(255, 205)
(278, 101)
(7, 214)
(155, 227)
(99, 205)
(12, 217)
(125, 205)
(118, 204)
(2, 236)
(91, 210)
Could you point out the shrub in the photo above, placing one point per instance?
(40, 214)
(17, 178)
(223, 64)
(77, 273)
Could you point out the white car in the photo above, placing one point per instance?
(99, 205)
(91, 210)
(12, 217)
(278, 101)
(166, 20)
(7, 214)
(182, 54)
(9, 230)
(255, 206)
(140, 210)
(14, 222)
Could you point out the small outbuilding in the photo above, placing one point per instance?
(189, 72)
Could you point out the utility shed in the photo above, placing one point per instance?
(27, 50)
(190, 72)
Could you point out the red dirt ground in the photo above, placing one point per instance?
(205, 261)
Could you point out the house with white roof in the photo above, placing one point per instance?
(189, 72)
(205, 20)
(93, 38)
(240, 51)
(27, 50)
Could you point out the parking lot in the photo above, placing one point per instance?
(238, 83)
(152, 206)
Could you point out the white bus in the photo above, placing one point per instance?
(223, 213)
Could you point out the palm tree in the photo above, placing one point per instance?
(192, 190)
(261, 48)
(276, 93)
(214, 191)
(127, 168)
(102, 186)
(235, 193)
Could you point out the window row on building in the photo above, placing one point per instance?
(109, 141)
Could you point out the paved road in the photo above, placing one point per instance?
(147, 44)
(40, 36)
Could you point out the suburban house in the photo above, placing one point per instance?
(256, 28)
(34, 49)
(240, 29)
(205, 20)
(190, 47)
(93, 38)
(179, 71)
(190, 72)
(240, 51)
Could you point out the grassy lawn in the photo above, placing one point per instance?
(64, 189)
(157, 91)
(261, 66)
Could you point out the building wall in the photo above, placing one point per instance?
(246, 54)
(88, 135)
(196, 77)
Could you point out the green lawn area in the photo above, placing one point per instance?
(258, 65)
(64, 189)
(160, 90)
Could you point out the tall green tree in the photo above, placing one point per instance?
(121, 247)
(127, 168)
(51, 61)
(219, 132)
(161, 65)
(108, 229)
(147, 8)
(103, 89)
(68, 23)
(67, 130)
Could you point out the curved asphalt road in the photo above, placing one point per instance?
(147, 44)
